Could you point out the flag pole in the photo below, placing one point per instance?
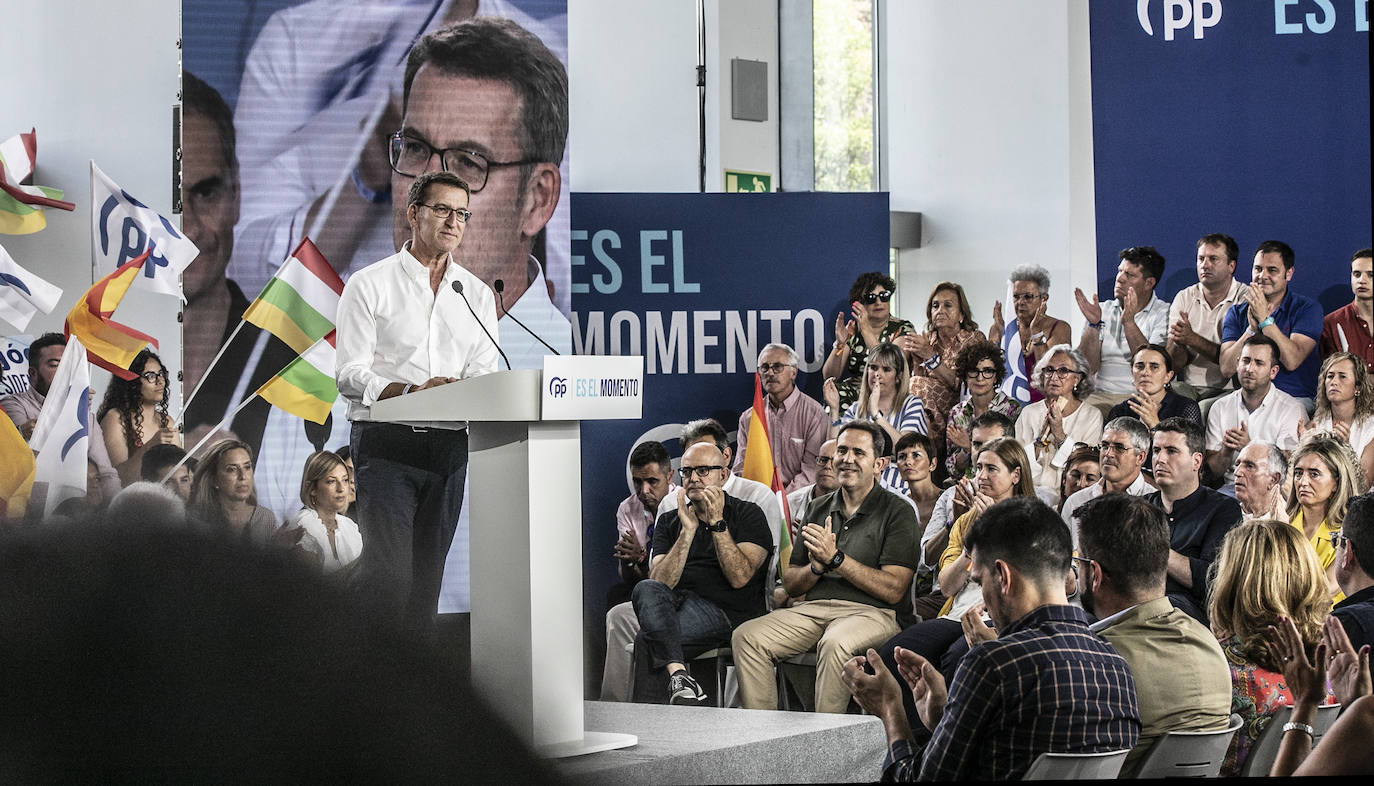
(212, 432)
(186, 404)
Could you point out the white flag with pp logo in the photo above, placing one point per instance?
(23, 294)
(122, 227)
(62, 435)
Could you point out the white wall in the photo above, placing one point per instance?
(989, 135)
(633, 94)
(98, 81)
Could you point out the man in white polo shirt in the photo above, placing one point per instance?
(1257, 411)
(1196, 315)
(1117, 328)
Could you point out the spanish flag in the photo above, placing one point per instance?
(109, 344)
(17, 468)
(758, 465)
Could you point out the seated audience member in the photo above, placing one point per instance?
(1083, 469)
(1152, 370)
(159, 460)
(796, 422)
(133, 416)
(651, 482)
(1347, 750)
(1347, 328)
(1123, 558)
(45, 353)
(1325, 479)
(621, 623)
(1272, 309)
(706, 576)
(223, 495)
(146, 502)
(1354, 551)
(1260, 473)
(799, 500)
(1125, 444)
(916, 461)
(88, 505)
(1197, 313)
(1199, 517)
(884, 400)
(1118, 328)
(935, 379)
(1030, 335)
(988, 725)
(981, 367)
(331, 538)
(873, 324)
(1002, 474)
(1265, 573)
(1345, 405)
(954, 501)
(1049, 428)
(1257, 411)
(854, 562)
(345, 452)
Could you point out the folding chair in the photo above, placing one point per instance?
(1188, 754)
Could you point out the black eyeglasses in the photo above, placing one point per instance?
(1337, 539)
(982, 373)
(442, 212)
(874, 297)
(773, 368)
(699, 472)
(151, 377)
(1054, 371)
(410, 156)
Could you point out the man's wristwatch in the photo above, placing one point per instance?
(816, 572)
(719, 526)
(835, 561)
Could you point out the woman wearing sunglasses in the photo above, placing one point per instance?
(872, 324)
(133, 417)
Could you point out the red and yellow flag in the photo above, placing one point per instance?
(758, 466)
(109, 344)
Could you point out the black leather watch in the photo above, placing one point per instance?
(719, 526)
(835, 561)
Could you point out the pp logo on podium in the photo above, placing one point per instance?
(558, 387)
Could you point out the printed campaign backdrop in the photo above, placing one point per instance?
(698, 284)
(1247, 117)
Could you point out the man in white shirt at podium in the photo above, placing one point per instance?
(403, 326)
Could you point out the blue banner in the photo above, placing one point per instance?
(698, 284)
(1249, 118)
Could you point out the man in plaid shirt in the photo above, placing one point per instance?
(1046, 683)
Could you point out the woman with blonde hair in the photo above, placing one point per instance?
(1265, 573)
(1326, 476)
(223, 494)
(1345, 405)
(330, 536)
(885, 400)
(949, 328)
(1051, 427)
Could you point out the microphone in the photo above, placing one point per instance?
(458, 287)
(500, 286)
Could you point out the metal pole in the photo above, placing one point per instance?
(701, 95)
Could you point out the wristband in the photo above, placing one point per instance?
(406, 389)
(837, 422)
(931, 363)
(1302, 727)
(1097, 325)
(816, 572)
(1269, 320)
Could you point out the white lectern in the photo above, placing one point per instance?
(525, 541)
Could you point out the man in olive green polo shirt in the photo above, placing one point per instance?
(853, 561)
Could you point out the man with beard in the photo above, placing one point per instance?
(1122, 557)
(1125, 445)
(1197, 312)
(1118, 328)
(797, 424)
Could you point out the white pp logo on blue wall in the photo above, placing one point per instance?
(1178, 14)
(558, 387)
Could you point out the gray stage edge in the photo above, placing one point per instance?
(710, 745)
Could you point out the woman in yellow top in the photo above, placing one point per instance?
(1326, 476)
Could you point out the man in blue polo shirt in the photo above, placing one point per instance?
(1292, 320)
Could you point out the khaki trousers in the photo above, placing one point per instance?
(838, 629)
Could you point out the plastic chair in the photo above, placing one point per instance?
(1266, 748)
(723, 658)
(1076, 766)
(1188, 754)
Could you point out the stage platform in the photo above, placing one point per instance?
(710, 745)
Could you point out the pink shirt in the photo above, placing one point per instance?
(796, 431)
(631, 516)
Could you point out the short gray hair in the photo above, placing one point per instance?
(1133, 428)
(1278, 463)
(143, 502)
(792, 357)
(1033, 273)
(706, 427)
(1085, 385)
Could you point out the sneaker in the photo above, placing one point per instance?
(682, 689)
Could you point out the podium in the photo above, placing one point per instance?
(525, 534)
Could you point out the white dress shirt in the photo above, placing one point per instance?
(1274, 421)
(394, 328)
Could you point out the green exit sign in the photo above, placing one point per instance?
(739, 182)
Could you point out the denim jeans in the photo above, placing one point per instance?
(674, 625)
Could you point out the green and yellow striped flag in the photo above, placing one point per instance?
(21, 205)
(299, 304)
(305, 388)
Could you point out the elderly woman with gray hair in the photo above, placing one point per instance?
(1050, 428)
